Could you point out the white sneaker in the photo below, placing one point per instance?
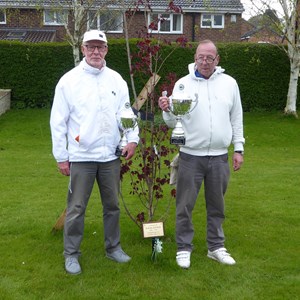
(72, 265)
(183, 259)
(222, 256)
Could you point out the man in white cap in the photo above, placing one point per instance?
(85, 129)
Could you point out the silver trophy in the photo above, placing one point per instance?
(128, 121)
(180, 106)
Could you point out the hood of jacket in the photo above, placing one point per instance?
(192, 69)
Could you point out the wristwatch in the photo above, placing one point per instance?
(240, 152)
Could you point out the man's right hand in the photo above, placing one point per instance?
(164, 104)
(64, 167)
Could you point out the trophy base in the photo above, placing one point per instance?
(118, 152)
(177, 140)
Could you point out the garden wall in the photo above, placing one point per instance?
(4, 101)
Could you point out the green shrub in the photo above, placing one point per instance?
(262, 72)
(32, 71)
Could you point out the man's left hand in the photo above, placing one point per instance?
(238, 160)
(129, 150)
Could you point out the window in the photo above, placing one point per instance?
(212, 21)
(2, 17)
(165, 23)
(53, 17)
(16, 35)
(108, 21)
(233, 18)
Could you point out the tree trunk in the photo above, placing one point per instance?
(74, 37)
(291, 18)
(290, 107)
(76, 54)
(78, 20)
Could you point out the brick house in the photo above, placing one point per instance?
(263, 34)
(261, 30)
(43, 20)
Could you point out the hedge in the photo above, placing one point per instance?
(32, 71)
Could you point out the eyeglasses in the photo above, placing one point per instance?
(93, 48)
(208, 59)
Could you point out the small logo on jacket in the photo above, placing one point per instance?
(113, 92)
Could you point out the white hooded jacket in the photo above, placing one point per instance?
(216, 118)
(85, 116)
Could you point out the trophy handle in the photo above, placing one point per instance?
(194, 106)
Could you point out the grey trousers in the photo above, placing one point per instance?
(192, 171)
(82, 179)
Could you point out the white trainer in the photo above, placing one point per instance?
(222, 256)
(72, 265)
(183, 259)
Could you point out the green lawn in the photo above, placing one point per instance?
(262, 226)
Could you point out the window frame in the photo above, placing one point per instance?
(3, 12)
(56, 17)
(98, 21)
(212, 19)
(170, 18)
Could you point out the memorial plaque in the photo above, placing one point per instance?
(153, 229)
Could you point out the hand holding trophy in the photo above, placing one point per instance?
(180, 106)
(128, 121)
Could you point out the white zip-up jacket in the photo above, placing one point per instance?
(85, 115)
(216, 117)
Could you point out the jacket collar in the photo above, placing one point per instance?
(86, 67)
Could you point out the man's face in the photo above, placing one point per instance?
(94, 52)
(206, 59)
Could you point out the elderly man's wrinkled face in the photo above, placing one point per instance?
(94, 52)
(206, 59)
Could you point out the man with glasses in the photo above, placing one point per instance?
(215, 122)
(85, 128)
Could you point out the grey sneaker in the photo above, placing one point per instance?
(119, 256)
(72, 265)
(222, 256)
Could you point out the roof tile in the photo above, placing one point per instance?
(27, 35)
(185, 4)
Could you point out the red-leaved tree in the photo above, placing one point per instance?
(149, 170)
